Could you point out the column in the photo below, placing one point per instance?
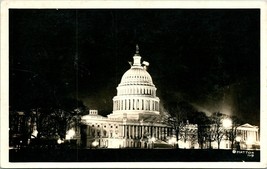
(126, 104)
(122, 132)
(156, 132)
(130, 131)
(131, 104)
(142, 131)
(139, 131)
(136, 131)
(126, 131)
(165, 132)
(133, 133)
(160, 133)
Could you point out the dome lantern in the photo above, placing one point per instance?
(137, 57)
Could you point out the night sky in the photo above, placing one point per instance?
(209, 58)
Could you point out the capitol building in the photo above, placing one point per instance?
(135, 120)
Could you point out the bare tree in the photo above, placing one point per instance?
(232, 132)
(178, 115)
(217, 131)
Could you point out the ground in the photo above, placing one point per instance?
(58, 154)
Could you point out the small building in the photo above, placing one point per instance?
(248, 136)
(245, 137)
(188, 136)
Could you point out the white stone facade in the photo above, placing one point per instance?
(134, 121)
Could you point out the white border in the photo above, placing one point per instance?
(6, 4)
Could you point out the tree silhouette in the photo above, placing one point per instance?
(232, 132)
(202, 121)
(217, 131)
(178, 115)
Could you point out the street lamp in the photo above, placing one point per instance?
(153, 139)
(70, 134)
(95, 143)
(59, 141)
(173, 141)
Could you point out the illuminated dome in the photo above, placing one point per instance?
(136, 93)
(136, 76)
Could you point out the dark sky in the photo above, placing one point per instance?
(209, 58)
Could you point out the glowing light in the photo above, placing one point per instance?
(172, 140)
(227, 123)
(34, 134)
(70, 134)
(95, 143)
(153, 139)
(59, 141)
